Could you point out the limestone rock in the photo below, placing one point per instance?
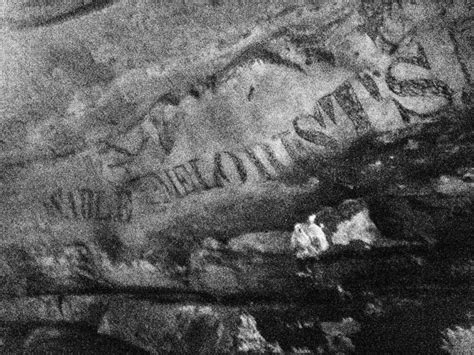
(186, 329)
(274, 242)
(459, 340)
(156, 157)
(61, 340)
(249, 340)
(205, 138)
(308, 239)
(338, 335)
(348, 223)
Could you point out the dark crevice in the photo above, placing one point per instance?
(94, 5)
(251, 93)
(194, 93)
(64, 338)
(320, 55)
(169, 98)
(251, 54)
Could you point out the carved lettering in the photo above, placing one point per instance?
(418, 57)
(94, 166)
(296, 149)
(197, 172)
(318, 117)
(167, 182)
(97, 200)
(257, 161)
(54, 204)
(414, 54)
(327, 106)
(385, 45)
(369, 84)
(407, 115)
(72, 204)
(277, 165)
(160, 191)
(461, 61)
(103, 213)
(219, 174)
(311, 135)
(175, 183)
(85, 204)
(87, 198)
(350, 104)
(228, 167)
(124, 211)
(417, 87)
(184, 177)
(223, 171)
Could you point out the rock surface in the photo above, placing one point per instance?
(156, 159)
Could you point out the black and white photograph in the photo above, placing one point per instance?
(237, 177)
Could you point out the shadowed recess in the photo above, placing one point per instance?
(49, 18)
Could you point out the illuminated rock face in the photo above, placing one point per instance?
(215, 141)
(176, 152)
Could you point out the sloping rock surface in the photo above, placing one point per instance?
(227, 178)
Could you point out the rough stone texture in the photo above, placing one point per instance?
(275, 242)
(155, 159)
(147, 121)
(459, 341)
(162, 329)
(348, 223)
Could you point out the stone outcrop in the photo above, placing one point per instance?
(193, 179)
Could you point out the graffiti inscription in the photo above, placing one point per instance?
(87, 204)
(269, 160)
